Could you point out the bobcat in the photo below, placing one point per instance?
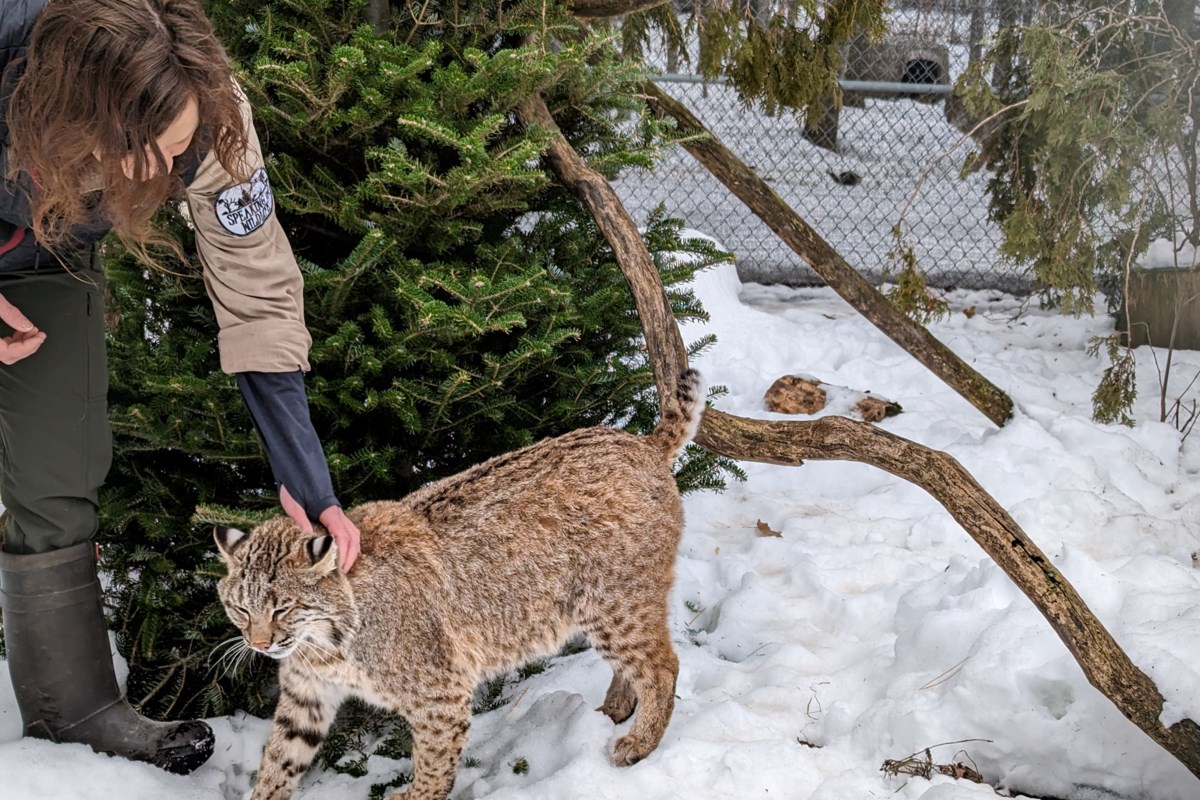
(464, 578)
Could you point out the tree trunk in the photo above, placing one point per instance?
(1009, 12)
(667, 354)
(379, 15)
(1104, 663)
(826, 262)
(976, 31)
(822, 129)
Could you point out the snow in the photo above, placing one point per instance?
(907, 155)
(1163, 254)
(874, 627)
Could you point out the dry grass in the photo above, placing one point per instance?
(920, 764)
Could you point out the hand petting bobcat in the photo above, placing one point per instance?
(465, 578)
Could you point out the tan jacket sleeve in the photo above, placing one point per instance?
(250, 272)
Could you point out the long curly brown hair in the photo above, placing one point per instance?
(102, 80)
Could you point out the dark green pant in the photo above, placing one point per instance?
(55, 443)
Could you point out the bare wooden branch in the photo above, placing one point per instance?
(1106, 666)
(668, 356)
(603, 9)
(828, 263)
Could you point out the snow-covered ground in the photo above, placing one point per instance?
(873, 627)
(892, 145)
(907, 155)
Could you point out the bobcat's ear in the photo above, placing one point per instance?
(228, 541)
(322, 552)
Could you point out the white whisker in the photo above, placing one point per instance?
(304, 659)
(231, 660)
(227, 650)
(331, 655)
(322, 649)
(226, 644)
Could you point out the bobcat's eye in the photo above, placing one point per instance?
(241, 612)
(279, 612)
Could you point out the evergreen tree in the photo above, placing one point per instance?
(1093, 151)
(1093, 148)
(781, 56)
(461, 304)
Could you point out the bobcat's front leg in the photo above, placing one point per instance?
(439, 731)
(305, 711)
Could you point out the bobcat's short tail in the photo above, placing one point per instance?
(681, 418)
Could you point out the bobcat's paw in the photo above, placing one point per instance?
(629, 750)
(619, 710)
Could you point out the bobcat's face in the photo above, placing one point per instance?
(284, 590)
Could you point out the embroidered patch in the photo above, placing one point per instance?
(243, 209)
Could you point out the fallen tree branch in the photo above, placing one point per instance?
(828, 263)
(1104, 664)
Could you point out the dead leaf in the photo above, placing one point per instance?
(764, 529)
(969, 311)
(960, 771)
(873, 409)
(792, 394)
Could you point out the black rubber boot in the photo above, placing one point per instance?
(61, 665)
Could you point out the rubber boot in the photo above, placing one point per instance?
(60, 662)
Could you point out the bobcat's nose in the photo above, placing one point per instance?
(259, 635)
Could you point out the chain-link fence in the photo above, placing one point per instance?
(886, 156)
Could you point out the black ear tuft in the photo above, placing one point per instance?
(318, 548)
(229, 540)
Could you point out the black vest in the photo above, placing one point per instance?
(18, 249)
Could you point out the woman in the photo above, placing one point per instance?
(108, 109)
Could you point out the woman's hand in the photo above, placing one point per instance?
(26, 338)
(343, 531)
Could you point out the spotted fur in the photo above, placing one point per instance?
(468, 577)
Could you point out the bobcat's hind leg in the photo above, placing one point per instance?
(653, 668)
(621, 699)
(643, 660)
